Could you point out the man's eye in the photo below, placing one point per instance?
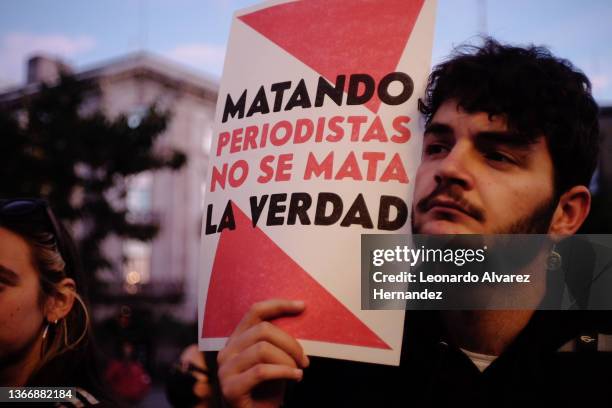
(499, 157)
(435, 148)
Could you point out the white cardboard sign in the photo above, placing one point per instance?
(317, 139)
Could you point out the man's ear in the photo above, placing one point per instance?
(58, 305)
(571, 211)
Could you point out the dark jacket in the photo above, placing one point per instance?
(434, 372)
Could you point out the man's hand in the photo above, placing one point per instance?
(258, 351)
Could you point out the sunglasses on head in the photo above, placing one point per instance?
(26, 210)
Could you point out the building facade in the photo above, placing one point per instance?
(162, 272)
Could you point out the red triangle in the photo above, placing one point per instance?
(341, 36)
(249, 267)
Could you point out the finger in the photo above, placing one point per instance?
(259, 353)
(267, 310)
(244, 383)
(268, 332)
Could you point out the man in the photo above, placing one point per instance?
(510, 145)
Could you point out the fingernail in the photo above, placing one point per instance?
(298, 303)
(298, 374)
(306, 361)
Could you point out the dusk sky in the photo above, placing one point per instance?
(195, 33)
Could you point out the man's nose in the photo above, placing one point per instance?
(456, 167)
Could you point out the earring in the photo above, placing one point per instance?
(46, 331)
(554, 260)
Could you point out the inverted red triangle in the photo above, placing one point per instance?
(249, 267)
(336, 37)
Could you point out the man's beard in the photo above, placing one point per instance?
(538, 222)
(513, 253)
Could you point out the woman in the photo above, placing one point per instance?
(45, 337)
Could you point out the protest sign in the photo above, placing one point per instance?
(317, 140)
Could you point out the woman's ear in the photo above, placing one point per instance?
(59, 304)
(571, 211)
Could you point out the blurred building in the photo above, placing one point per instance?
(164, 272)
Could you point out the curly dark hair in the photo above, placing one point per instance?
(537, 93)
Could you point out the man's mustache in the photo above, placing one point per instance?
(455, 194)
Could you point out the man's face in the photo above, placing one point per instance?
(477, 178)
